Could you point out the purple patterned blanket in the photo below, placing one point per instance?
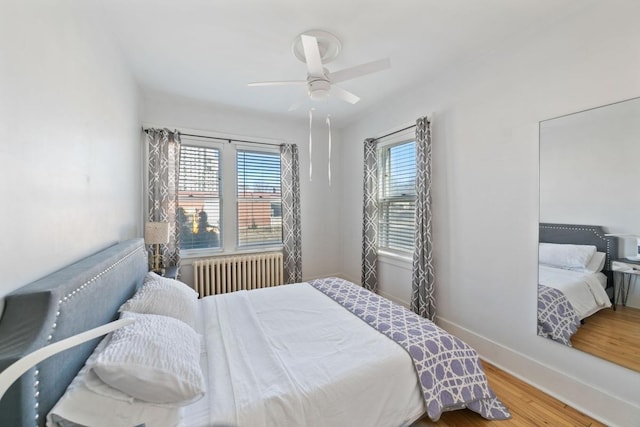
(556, 317)
(449, 371)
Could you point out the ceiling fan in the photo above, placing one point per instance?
(316, 48)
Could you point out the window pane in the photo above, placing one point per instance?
(399, 170)
(396, 192)
(259, 199)
(199, 197)
(397, 225)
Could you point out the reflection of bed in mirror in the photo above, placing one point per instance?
(587, 161)
(574, 275)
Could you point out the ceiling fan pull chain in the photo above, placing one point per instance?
(329, 164)
(310, 144)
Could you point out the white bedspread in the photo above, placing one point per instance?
(585, 291)
(290, 356)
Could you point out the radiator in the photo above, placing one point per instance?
(220, 275)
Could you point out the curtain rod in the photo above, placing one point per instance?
(229, 140)
(399, 130)
(394, 132)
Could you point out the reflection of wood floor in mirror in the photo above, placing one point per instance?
(612, 335)
(528, 405)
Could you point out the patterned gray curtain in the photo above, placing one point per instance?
(291, 228)
(370, 216)
(164, 168)
(422, 283)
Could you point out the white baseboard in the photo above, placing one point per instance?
(529, 370)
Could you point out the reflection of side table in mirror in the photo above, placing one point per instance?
(625, 273)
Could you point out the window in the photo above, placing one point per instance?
(199, 197)
(259, 209)
(396, 196)
(247, 177)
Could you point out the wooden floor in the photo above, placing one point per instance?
(528, 406)
(612, 335)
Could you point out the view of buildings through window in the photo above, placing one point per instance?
(258, 218)
(199, 197)
(396, 196)
(259, 199)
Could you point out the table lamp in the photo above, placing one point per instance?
(156, 233)
(636, 251)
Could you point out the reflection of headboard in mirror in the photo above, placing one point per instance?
(577, 234)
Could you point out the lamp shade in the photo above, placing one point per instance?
(156, 232)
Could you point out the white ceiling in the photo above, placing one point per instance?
(209, 50)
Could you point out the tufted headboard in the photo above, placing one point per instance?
(74, 299)
(582, 235)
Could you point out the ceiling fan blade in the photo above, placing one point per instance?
(359, 70)
(344, 95)
(280, 83)
(312, 55)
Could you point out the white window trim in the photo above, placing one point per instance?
(229, 201)
(406, 135)
(236, 244)
(203, 252)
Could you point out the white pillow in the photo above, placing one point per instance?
(166, 297)
(565, 256)
(80, 405)
(595, 265)
(155, 359)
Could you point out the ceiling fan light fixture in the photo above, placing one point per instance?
(319, 94)
(319, 89)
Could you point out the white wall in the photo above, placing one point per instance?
(588, 164)
(319, 200)
(69, 141)
(485, 193)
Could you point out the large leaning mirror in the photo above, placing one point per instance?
(589, 272)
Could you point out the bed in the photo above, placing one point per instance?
(570, 292)
(301, 354)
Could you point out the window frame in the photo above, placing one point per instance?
(254, 148)
(201, 142)
(228, 193)
(406, 136)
